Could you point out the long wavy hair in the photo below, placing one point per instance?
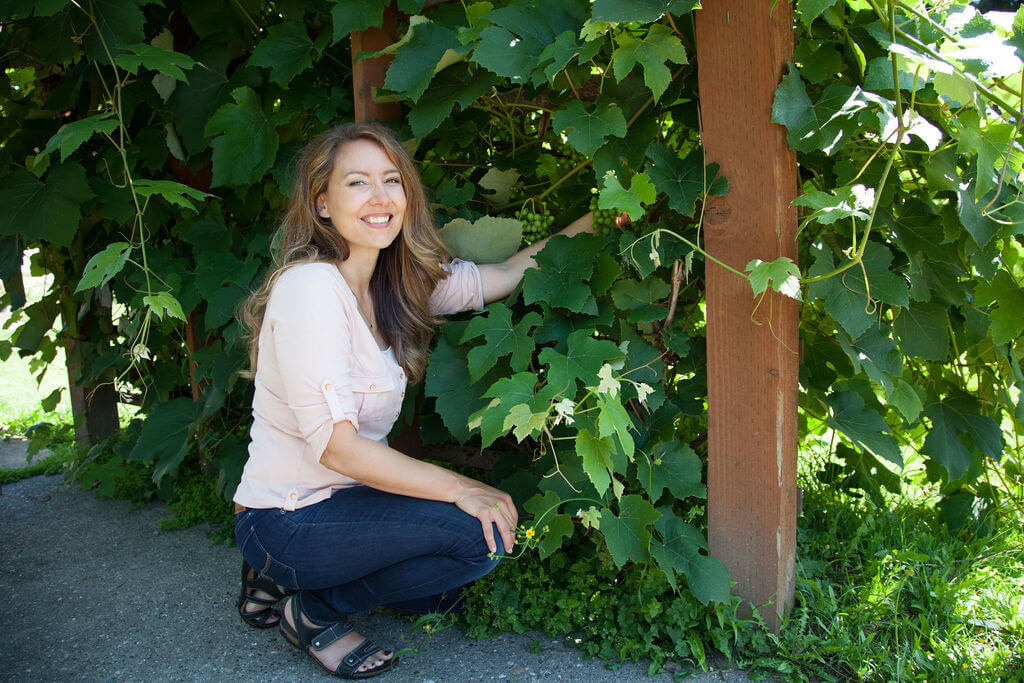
(406, 272)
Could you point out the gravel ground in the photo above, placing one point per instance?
(96, 591)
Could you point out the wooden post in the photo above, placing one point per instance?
(742, 50)
(368, 74)
(94, 408)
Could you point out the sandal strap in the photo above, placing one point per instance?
(354, 659)
(332, 633)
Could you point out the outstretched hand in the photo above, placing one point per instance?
(494, 508)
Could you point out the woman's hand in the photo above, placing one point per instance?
(491, 506)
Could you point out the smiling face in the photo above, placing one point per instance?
(365, 198)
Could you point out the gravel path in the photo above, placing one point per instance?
(94, 590)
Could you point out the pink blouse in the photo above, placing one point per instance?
(318, 365)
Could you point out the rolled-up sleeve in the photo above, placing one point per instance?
(462, 290)
(310, 332)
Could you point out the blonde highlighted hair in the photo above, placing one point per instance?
(407, 270)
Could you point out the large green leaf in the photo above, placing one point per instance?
(864, 427)
(420, 57)
(502, 337)
(672, 466)
(564, 266)
(167, 62)
(628, 534)
(1007, 301)
(656, 48)
(598, 457)
(507, 393)
(246, 142)
(286, 51)
(71, 136)
(684, 181)
(585, 357)
(630, 10)
(956, 421)
(679, 553)
(588, 130)
(923, 331)
(615, 196)
(355, 15)
(504, 54)
(165, 435)
(449, 383)
(47, 210)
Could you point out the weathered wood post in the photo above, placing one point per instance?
(742, 50)
(368, 74)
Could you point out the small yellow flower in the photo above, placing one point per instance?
(530, 533)
(427, 627)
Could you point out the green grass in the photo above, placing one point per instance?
(891, 594)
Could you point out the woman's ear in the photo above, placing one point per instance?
(321, 207)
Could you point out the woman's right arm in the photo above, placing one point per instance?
(382, 467)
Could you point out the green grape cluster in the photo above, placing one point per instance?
(536, 223)
(572, 156)
(604, 219)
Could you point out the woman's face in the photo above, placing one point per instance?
(365, 197)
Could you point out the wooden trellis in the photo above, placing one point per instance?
(742, 49)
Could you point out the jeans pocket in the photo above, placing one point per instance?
(260, 560)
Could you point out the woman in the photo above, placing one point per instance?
(326, 512)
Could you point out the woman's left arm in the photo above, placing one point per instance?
(500, 279)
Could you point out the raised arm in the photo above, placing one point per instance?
(499, 279)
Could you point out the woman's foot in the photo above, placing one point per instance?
(342, 655)
(257, 599)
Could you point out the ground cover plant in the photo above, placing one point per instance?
(146, 149)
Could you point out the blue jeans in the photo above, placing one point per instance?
(362, 548)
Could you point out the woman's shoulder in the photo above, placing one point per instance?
(309, 278)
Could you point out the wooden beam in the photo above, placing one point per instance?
(742, 50)
(368, 74)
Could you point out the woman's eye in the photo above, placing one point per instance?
(396, 181)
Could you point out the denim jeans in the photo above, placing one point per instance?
(362, 548)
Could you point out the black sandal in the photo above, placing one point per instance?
(267, 617)
(304, 637)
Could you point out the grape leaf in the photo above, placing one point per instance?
(504, 54)
(862, 426)
(684, 181)
(585, 357)
(906, 399)
(488, 240)
(508, 392)
(613, 420)
(246, 142)
(355, 15)
(587, 131)
(781, 274)
(628, 535)
(679, 553)
(952, 419)
(501, 338)
(851, 201)
(71, 136)
(644, 11)
(164, 304)
(660, 45)
(1007, 300)
(923, 331)
(809, 10)
(640, 298)
(564, 266)
(447, 90)
(846, 306)
(47, 210)
(164, 438)
(614, 196)
(981, 227)
(430, 48)
(286, 51)
(597, 455)
(674, 466)
(167, 62)
(523, 421)
(104, 265)
(448, 382)
(173, 192)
